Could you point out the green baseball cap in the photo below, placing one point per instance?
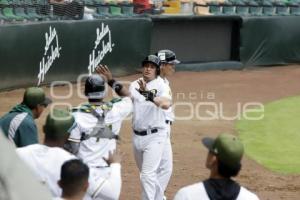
(228, 148)
(59, 123)
(34, 96)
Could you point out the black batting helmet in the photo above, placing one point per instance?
(167, 56)
(95, 87)
(154, 60)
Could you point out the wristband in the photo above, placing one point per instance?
(116, 86)
(111, 82)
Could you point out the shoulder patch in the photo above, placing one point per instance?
(87, 108)
(107, 106)
(83, 108)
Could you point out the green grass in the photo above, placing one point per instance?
(274, 141)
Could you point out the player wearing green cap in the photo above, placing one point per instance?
(224, 162)
(49, 157)
(46, 160)
(18, 124)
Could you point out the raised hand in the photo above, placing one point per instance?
(104, 70)
(142, 85)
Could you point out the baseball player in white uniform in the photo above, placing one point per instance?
(46, 160)
(98, 119)
(167, 68)
(224, 162)
(150, 132)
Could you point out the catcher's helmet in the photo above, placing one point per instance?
(167, 56)
(95, 87)
(154, 60)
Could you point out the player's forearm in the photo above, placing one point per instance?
(124, 92)
(162, 102)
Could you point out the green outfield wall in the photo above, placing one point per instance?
(270, 40)
(35, 54)
(41, 52)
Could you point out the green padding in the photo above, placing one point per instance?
(22, 49)
(19, 11)
(270, 40)
(209, 66)
(8, 12)
(115, 10)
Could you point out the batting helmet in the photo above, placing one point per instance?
(167, 56)
(95, 87)
(154, 60)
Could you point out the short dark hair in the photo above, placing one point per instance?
(74, 173)
(228, 171)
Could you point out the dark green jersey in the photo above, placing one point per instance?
(19, 126)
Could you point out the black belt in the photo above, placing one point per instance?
(169, 122)
(143, 133)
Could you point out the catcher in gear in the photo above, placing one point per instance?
(99, 122)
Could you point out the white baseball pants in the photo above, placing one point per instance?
(148, 151)
(166, 164)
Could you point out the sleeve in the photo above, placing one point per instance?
(180, 195)
(73, 143)
(121, 109)
(136, 96)
(75, 134)
(165, 91)
(109, 188)
(27, 133)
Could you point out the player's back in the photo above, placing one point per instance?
(46, 163)
(93, 149)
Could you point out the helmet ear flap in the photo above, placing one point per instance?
(88, 86)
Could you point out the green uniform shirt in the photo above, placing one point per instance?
(19, 126)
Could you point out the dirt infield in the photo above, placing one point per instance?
(226, 89)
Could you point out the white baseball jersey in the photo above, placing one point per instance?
(46, 163)
(147, 115)
(197, 191)
(92, 150)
